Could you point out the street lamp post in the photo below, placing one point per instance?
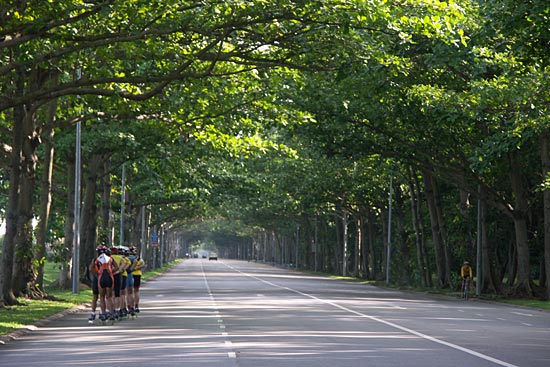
(388, 255)
(76, 228)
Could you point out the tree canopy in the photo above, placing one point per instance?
(272, 130)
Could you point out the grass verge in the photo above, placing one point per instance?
(532, 303)
(31, 311)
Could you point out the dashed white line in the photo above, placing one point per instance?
(227, 343)
(523, 314)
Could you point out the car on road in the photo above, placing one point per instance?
(212, 256)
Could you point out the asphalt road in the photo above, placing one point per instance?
(229, 313)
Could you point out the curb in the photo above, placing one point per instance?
(27, 329)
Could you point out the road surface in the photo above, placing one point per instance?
(232, 313)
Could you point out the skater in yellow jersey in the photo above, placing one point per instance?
(134, 280)
(123, 264)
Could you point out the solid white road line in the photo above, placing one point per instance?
(382, 321)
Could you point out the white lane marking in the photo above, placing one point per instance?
(227, 343)
(523, 314)
(382, 321)
(461, 330)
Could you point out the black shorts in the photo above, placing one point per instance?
(105, 281)
(95, 288)
(118, 283)
(123, 283)
(137, 281)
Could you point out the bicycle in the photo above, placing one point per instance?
(466, 288)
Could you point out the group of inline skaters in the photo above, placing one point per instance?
(116, 279)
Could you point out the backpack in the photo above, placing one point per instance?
(104, 267)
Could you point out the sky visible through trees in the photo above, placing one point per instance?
(271, 129)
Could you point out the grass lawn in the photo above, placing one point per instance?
(533, 303)
(31, 311)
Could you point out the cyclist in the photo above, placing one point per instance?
(466, 275)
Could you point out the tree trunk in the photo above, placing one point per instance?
(384, 216)
(443, 239)
(415, 214)
(523, 284)
(23, 264)
(25, 277)
(425, 254)
(402, 237)
(45, 205)
(545, 158)
(365, 253)
(357, 252)
(373, 259)
(89, 215)
(345, 243)
(65, 275)
(512, 262)
(488, 282)
(106, 227)
(337, 256)
(436, 235)
(134, 220)
(45, 186)
(8, 252)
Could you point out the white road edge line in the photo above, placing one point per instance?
(388, 323)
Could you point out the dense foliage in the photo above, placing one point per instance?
(272, 130)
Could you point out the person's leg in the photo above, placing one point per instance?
(130, 296)
(109, 300)
(116, 295)
(137, 284)
(123, 295)
(95, 296)
(102, 300)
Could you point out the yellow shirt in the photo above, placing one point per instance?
(138, 263)
(466, 271)
(119, 260)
